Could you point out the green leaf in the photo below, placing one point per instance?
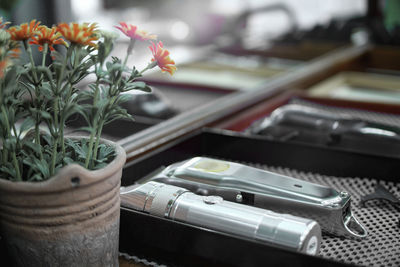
(43, 167)
(105, 155)
(70, 109)
(133, 86)
(138, 85)
(47, 138)
(46, 71)
(68, 160)
(81, 151)
(124, 98)
(134, 74)
(46, 90)
(10, 170)
(36, 177)
(11, 114)
(100, 166)
(147, 89)
(113, 67)
(10, 76)
(107, 81)
(46, 115)
(112, 118)
(57, 67)
(35, 147)
(10, 143)
(27, 124)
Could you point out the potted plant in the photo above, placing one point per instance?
(59, 195)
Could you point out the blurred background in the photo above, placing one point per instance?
(222, 46)
(233, 25)
(229, 25)
(252, 23)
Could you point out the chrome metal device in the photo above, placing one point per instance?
(212, 212)
(309, 125)
(268, 190)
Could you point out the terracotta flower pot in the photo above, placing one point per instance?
(71, 219)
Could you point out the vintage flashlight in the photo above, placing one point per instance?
(212, 212)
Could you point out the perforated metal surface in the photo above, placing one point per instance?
(382, 246)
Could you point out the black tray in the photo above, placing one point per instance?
(179, 244)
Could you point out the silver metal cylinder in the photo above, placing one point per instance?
(213, 212)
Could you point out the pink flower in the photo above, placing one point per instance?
(161, 56)
(132, 32)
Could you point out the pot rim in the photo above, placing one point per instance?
(62, 179)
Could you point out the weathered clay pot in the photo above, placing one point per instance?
(71, 219)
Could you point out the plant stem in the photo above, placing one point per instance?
(55, 138)
(16, 134)
(29, 52)
(58, 92)
(16, 166)
(122, 71)
(98, 125)
(148, 67)
(96, 146)
(94, 124)
(44, 54)
(5, 154)
(5, 151)
(7, 123)
(37, 138)
(62, 137)
(69, 52)
(90, 149)
(53, 157)
(13, 155)
(126, 59)
(76, 57)
(37, 94)
(17, 148)
(100, 128)
(61, 125)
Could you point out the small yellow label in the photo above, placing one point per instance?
(212, 166)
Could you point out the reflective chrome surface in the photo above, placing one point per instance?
(304, 117)
(264, 189)
(176, 203)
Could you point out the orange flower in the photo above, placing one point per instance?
(3, 24)
(132, 32)
(24, 31)
(48, 36)
(14, 51)
(161, 56)
(81, 34)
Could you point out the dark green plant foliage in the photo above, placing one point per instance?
(52, 96)
(35, 169)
